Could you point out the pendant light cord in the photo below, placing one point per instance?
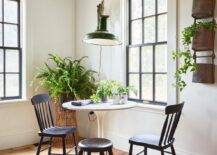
(100, 62)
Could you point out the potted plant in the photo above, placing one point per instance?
(67, 79)
(104, 90)
(124, 91)
(111, 89)
(202, 34)
(192, 33)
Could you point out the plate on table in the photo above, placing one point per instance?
(81, 102)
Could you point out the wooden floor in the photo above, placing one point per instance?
(31, 150)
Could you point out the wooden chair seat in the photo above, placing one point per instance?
(151, 141)
(95, 143)
(100, 145)
(57, 131)
(145, 139)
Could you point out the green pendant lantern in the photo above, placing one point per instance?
(101, 36)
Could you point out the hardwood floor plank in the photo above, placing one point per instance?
(30, 150)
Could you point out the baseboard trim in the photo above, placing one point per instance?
(18, 139)
(121, 142)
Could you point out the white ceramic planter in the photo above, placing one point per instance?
(120, 99)
(116, 99)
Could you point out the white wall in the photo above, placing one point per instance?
(200, 118)
(49, 28)
(196, 134)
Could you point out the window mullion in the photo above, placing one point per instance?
(20, 50)
(130, 22)
(143, 22)
(156, 21)
(4, 55)
(154, 50)
(153, 74)
(140, 73)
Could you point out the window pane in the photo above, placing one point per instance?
(149, 7)
(134, 59)
(149, 30)
(147, 87)
(0, 34)
(134, 81)
(162, 28)
(12, 61)
(161, 88)
(136, 32)
(10, 11)
(147, 59)
(162, 6)
(1, 86)
(12, 85)
(11, 35)
(1, 61)
(136, 9)
(161, 58)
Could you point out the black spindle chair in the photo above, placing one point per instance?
(44, 116)
(166, 139)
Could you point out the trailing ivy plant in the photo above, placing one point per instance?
(67, 77)
(188, 65)
(185, 56)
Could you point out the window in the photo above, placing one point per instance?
(147, 50)
(10, 50)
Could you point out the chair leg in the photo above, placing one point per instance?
(131, 149)
(75, 143)
(162, 152)
(64, 146)
(50, 148)
(101, 153)
(145, 151)
(88, 153)
(173, 150)
(39, 146)
(80, 152)
(110, 151)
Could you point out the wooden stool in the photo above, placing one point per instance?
(99, 145)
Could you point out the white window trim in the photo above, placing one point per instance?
(173, 93)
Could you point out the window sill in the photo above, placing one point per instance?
(12, 102)
(150, 108)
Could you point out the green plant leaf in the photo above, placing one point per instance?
(67, 76)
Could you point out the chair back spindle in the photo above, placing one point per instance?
(43, 111)
(173, 114)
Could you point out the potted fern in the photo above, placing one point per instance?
(67, 79)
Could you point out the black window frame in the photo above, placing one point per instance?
(5, 48)
(140, 46)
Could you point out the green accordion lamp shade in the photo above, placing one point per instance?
(101, 36)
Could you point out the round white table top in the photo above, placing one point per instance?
(99, 106)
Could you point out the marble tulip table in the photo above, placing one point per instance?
(100, 109)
